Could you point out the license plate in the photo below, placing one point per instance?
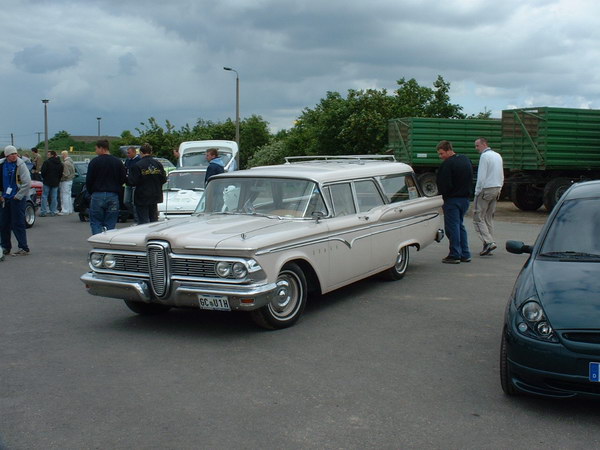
(595, 371)
(214, 302)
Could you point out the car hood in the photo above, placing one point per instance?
(569, 292)
(223, 232)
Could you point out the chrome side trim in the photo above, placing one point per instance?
(402, 223)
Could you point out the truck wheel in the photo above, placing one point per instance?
(554, 191)
(526, 197)
(428, 183)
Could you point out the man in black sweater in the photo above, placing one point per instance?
(148, 176)
(455, 183)
(52, 170)
(104, 182)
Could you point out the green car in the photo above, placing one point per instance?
(81, 168)
(551, 339)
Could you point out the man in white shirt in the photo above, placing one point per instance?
(490, 178)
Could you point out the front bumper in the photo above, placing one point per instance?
(548, 369)
(182, 294)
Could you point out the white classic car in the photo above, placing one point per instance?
(181, 193)
(261, 240)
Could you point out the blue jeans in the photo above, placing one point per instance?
(53, 193)
(454, 213)
(104, 211)
(12, 217)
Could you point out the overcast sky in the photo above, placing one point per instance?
(128, 60)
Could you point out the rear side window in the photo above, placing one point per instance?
(367, 195)
(398, 188)
(341, 197)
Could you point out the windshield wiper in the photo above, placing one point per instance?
(571, 255)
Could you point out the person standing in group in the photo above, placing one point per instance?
(455, 183)
(490, 178)
(148, 177)
(104, 182)
(215, 164)
(66, 182)
(176, 156)
(36, 160)
(132, 159)
(52, 171)
(15, 183)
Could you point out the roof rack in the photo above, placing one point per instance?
(360, 159)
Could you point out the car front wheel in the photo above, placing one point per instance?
(289, 302)
(505, 375)
(397, 271)
(29, 215)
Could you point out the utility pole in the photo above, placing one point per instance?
(45, 102)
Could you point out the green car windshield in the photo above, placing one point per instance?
(574, 231)
(282, 197)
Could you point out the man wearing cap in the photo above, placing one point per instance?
(15, 183)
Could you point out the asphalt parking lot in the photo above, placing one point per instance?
(406, 364)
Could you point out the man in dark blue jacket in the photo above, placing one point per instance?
(455, 183)
(215, 166)
(104, 182)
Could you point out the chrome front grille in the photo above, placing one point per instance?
(131, 263)
(188, 267)
(158, 265)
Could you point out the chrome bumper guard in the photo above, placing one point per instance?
(181, 293)
(439, 235)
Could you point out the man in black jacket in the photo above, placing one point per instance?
(104, 182)
(52, 171)
(455, 183)
(148, 177)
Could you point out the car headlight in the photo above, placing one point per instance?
(534, 322)
(239, 270)
(96, 260)
(223, 269)
(110, 261)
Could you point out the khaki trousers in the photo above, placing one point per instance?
(484, 208)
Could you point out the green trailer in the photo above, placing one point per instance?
(546, 149)
(413, 140)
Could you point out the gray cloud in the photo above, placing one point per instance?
(41, 59)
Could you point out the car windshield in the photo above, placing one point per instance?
(573, 232)
(281, 197)
(177, 181)
(197, 157)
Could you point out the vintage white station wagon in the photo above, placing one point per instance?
(261, 240)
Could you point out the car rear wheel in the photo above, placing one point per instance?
(146, 309)
(29, 215)
(289, 302)
(399, 269)
(505, 375)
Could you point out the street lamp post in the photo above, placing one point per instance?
(237, 113)
(98, 119)
(45, 102)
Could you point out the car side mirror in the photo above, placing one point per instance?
(517, 247)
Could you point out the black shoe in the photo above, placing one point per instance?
(488, 248)
(465, 259)
(5, 251)
(449, 260)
